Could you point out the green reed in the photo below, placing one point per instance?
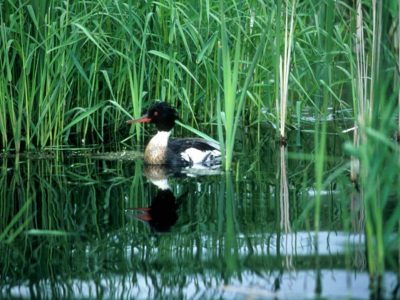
(230, 113)
(83, 62)
(230, 76)
(374, 148)
(326, 13)
(284, 66)
(61, 67)
(129, 54)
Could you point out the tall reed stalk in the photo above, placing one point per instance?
(320, 136)
(361, 103)
(233, 99)
(230, 76)
(284, 67)
(375, 107)
(374, 204)
(397, 43)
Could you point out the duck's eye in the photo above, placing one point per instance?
(155, 113)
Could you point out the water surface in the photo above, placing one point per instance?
(84, 225)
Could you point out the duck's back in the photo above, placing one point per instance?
(193, 151)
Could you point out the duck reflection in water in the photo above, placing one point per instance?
(162, 214)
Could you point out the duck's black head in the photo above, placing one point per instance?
(161, 114)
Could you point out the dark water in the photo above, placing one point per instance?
(90, 226)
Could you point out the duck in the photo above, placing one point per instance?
(177, 152)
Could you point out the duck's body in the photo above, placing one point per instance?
(161, 150)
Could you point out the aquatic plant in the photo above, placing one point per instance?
(374, 106)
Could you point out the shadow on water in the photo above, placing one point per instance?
(91, 227)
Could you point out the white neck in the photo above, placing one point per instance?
(155, 153)
(160, 139)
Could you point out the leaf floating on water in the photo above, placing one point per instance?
(122, 155)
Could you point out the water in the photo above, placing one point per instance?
(105, 226)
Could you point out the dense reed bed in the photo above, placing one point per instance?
(73, 71)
